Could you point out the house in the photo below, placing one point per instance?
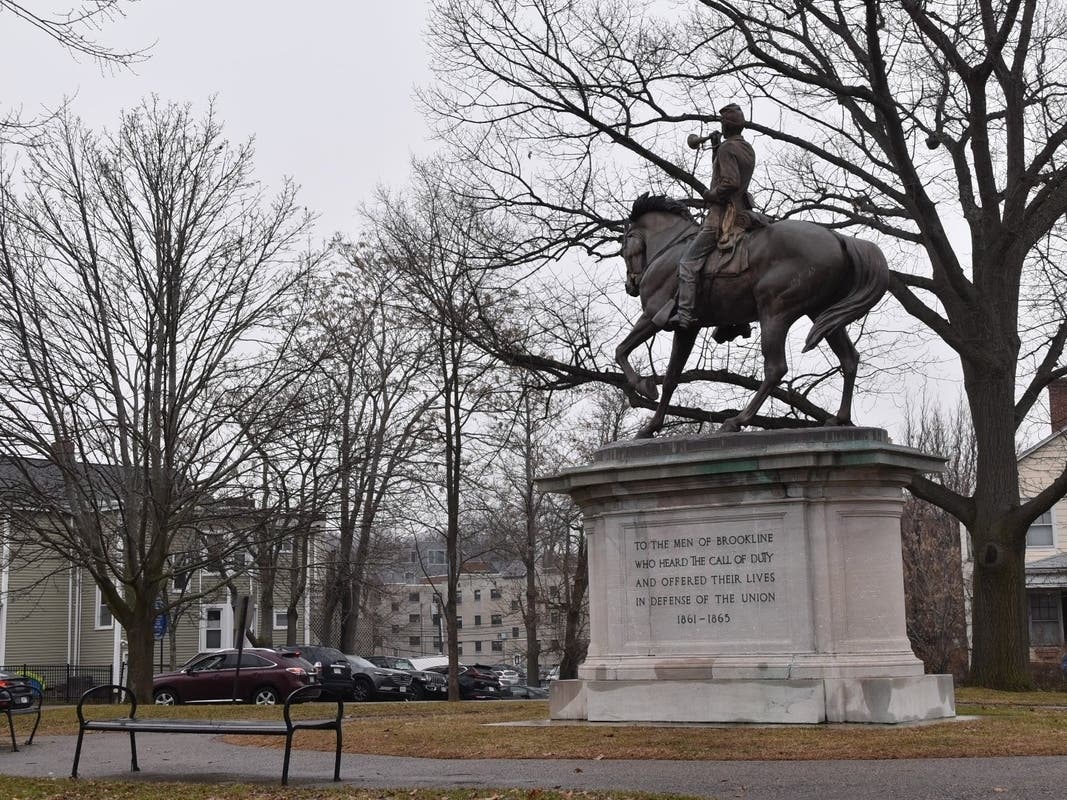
(54, 621)
(1046, 541)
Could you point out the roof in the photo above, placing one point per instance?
(1048, 572)
(1035, 447)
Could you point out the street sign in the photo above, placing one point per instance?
(159, 628)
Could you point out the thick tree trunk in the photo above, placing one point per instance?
(1000, 628)
(139, 634)
(573, 648)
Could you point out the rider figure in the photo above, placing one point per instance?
(734, 161)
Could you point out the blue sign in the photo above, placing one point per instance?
(159, 628)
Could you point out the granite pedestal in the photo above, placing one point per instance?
(751, 577)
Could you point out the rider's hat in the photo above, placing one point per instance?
(732, 115)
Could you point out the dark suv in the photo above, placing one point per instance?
(476, 682)
(370, 681)
(335, 673)
(266, 677)
(425, 685)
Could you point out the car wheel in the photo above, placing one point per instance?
(265, 696)
(166, 697)
(362, 689)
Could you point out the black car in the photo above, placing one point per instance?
(476, 682)
(17, 692)
(524, 692)
(335, 673)
(370, 681)
(425, 685)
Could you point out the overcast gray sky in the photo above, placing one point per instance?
(325, 86)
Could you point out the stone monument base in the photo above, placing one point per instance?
(871, 700)
(751, 577)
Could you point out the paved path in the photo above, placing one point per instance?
(206, 758)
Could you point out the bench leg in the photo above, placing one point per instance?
(337, 757)
(133, 753)
(36, 722)
(11, 727)
(77, 753)
(285, 763)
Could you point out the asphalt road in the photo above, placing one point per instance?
(207, 758)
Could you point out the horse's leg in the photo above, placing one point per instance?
(681, 347)
(642, 331)
(850, 359)
(772, 341)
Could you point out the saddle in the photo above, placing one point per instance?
(730, 258)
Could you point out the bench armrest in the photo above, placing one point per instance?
(107, 688)
(295, 694)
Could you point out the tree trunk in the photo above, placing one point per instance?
(1000, 655)
(139, 634)
(573, 651)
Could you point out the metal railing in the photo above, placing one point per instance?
(63, 683)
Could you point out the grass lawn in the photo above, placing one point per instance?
(1033, 723)
(41, 789)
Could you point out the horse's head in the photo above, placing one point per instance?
(633, 253)
(654, 221)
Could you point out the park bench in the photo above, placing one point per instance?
(16, 700)
(130, 724)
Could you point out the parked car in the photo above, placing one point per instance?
(476, 682)
(524, 692)
(425, 685)
(17, 691)
(266, 677)
(335, 673)
(507, 675)
(370, 681)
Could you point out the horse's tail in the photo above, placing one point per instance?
(870, 279)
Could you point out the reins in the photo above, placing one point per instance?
(687, 233)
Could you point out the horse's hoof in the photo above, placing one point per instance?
(645, 433)
(730, 426)
(646, 387)
(837, 422)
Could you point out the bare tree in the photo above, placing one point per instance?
(74, 29)
(934, 591)
(370, 370)
(434, 237)
(908, 119)
(146, 282)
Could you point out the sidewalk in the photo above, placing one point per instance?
(208, 759)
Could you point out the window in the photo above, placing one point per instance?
(477, 647)
(1045, 619)
(414, 557)
(496, 619)
(409, 577)
(396, 629)
(103, 613)
(413, 618)
(515, 633)
(477, 619)
(477, 594)
(413, 597)
(459, 648)
(281, 619)
(285, 544)
(435, 620)
(1040, 533)
(514, 605)
(554, 617)
(495, 594)
(212, 628)
(437, 557)
(498, 646)
(459, 623)
(437, 645)
(459, 598)
(395, 606)
(415, 641)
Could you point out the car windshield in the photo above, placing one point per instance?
(356, 661)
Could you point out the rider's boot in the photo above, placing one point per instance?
(683, 318)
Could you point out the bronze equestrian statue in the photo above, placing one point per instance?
(783, 271)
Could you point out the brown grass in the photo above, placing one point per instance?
(1032, 723)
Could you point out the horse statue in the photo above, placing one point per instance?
(794, 269)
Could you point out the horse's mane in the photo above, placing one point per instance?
(658, 202)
